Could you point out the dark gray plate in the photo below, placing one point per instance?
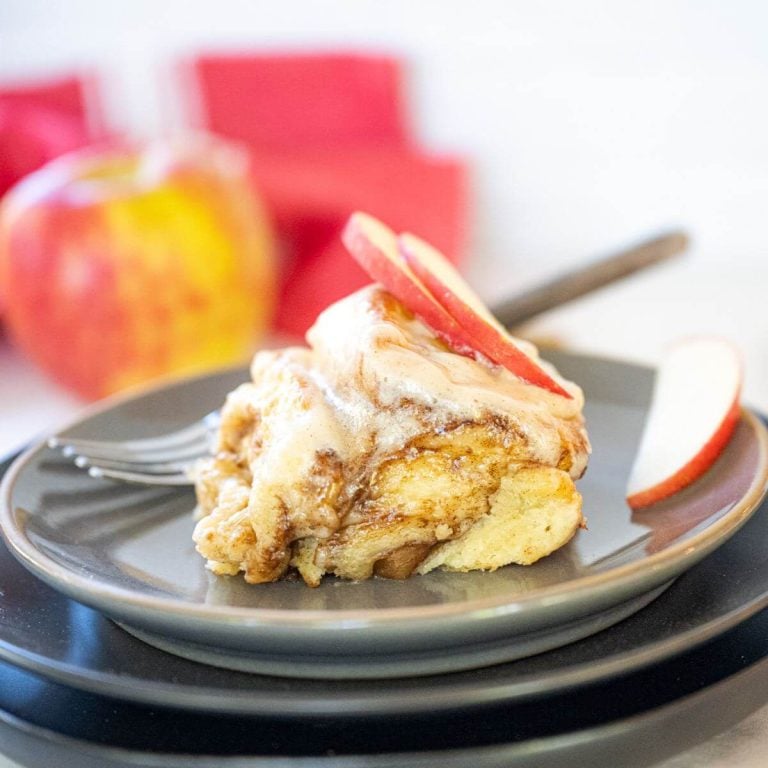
(632, 719)
(127, 551)
(650, 732)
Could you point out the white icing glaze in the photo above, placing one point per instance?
(375, 379)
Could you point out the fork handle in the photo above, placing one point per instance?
(582, 280)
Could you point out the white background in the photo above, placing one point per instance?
(588, 124)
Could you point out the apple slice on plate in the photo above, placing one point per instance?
(450, 289)
(694, 411)
(374, 246)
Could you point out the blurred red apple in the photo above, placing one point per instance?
(123, 264)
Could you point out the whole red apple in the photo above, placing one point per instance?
(124, 264)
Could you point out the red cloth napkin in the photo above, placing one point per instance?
(39, 122)
(304, 101)
(312, 194)
(328, 133)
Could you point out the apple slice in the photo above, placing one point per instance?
(374, 246)
(450, 290)
(694, 410)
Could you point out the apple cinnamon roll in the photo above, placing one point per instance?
(377, 450)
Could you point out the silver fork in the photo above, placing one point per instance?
(168, 459)
(162, 460)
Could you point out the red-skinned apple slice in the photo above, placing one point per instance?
(374, 246)
(450, 290)
(694, 411)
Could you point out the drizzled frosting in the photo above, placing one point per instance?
(302, 446)
(375, 376)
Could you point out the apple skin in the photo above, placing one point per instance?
(374, 246)
(725, 362)
(450, 290)
(123, 264)
(693, 469)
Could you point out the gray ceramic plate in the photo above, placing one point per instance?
(643, 738)
(127, 551)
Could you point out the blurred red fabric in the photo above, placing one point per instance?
(40, 121)
(304, 101)
(329, 135)
(312, 194)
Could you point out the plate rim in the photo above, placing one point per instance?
(149, 692)
(688, 703)
(102, 594)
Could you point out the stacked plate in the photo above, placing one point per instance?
(107, 611)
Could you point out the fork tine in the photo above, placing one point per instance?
(152, 468)
(115, 452)
(144, 478)
(161, 460)
(192, 433)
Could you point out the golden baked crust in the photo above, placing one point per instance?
(462, 500)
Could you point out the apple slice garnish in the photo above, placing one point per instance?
(374, 246)
(450, 290)
(694, 410)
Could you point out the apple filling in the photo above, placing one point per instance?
(380, 450)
